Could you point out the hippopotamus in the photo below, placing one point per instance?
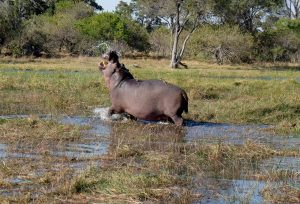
(142, 99)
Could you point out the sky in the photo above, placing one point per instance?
(109, 5)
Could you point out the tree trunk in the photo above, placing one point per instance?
(174, 60)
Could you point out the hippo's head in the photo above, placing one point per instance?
(108, 70)
(109, 57)
(112, 70)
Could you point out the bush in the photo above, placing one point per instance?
(51, 34)
(279, 43)
(33, 40)
(224, 43)
(160, 41)
(110, 27)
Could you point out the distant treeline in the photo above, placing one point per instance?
(220, 30)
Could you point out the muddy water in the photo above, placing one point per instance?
(88, 147)
(95, 143)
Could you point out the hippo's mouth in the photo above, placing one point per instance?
(103, 65)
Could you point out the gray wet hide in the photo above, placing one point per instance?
(143, 99)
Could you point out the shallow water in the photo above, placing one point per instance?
(282, 163)
(75, 149)
(238, 134)
(95, 143)
(2, 150)
(100, 128)
(232, 191)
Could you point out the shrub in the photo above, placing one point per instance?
(224, 43)
(280, 42)
(160, 41)
(110, 27)
(48, 34)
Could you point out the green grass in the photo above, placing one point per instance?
(228, 94)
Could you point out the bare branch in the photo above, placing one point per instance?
(167, 21)
(185, 41)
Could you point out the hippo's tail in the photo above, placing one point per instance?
(185, 102)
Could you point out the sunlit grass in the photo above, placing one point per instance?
(229, 93)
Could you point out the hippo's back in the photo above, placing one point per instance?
(150, 99)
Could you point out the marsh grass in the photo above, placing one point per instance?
(282, 194)
(158, 166)
(228, 94)
(30, 171)
(149, 162)
(33, 129)
(144, 163)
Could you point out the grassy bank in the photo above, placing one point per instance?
(266, 94)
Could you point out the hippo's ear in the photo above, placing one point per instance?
(113, 56)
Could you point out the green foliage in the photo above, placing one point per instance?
(279, 43)
(54, 27)
(160, 41)
(63, 6)
(50, 34)
(289, 24)
(13, 13)
(125, 10)
(225, 43)
(245, 13)
(111, 27)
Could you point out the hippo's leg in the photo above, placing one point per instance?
(131, 117)
(111, 111)
(177, 120)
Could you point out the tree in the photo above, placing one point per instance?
(125, 10)
(160, 41)
(135, 11)
(281, 42)
(94, 4)
(51, 32)
(292, 8)
(223, 42)
(245, 13)
(179, 15)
